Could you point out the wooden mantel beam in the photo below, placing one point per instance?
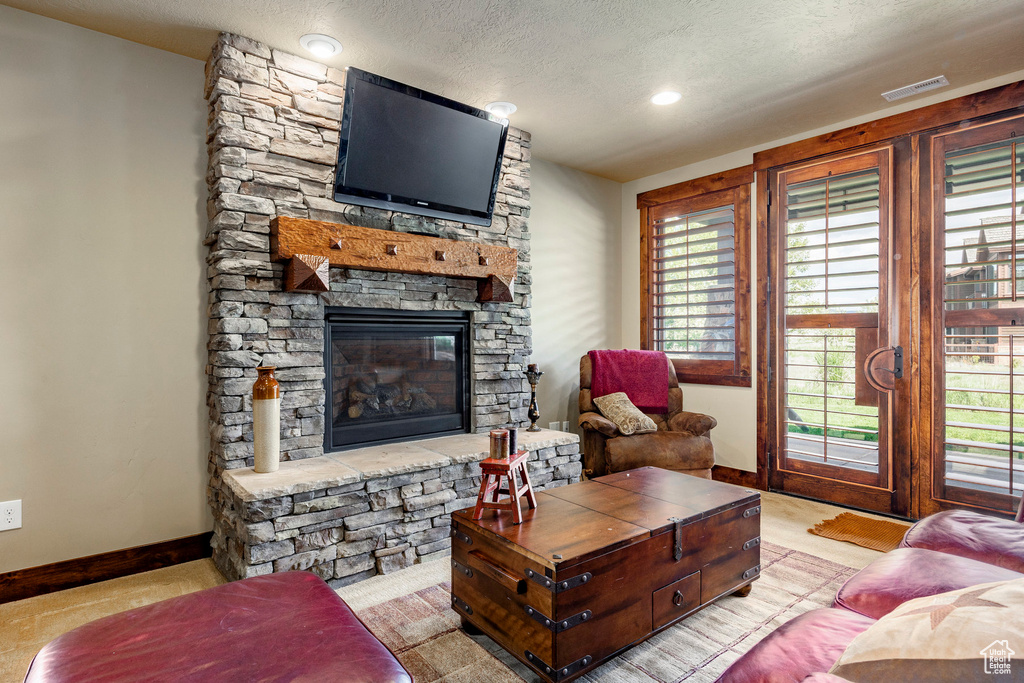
(350, 246)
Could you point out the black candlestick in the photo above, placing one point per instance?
(532, 376)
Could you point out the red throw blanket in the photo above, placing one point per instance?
(643, 375)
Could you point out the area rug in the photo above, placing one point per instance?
(878, 534)
(423, 631)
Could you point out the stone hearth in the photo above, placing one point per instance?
(273, 134)
(348, 516)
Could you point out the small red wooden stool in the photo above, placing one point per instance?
(493, 470)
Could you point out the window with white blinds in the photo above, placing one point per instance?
(831, 253)
(983, 301)
(832, 244)
(696, 269)
(695, 284)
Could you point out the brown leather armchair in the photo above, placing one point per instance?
(682, 442)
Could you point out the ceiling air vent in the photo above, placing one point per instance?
(916, 88)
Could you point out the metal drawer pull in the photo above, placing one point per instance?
(677, 599)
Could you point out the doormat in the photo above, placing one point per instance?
(878, 534)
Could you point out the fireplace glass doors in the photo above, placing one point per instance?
(395, 375)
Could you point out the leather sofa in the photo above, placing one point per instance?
(279, 627)
(682, 442)
(971, 534)
(944, 552)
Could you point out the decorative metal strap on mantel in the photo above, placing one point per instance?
(311, 246)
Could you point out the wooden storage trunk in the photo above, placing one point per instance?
(602, 565)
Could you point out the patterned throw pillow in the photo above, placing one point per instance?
(963, 635)
(627, 417)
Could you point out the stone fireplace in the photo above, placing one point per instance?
(347, 514)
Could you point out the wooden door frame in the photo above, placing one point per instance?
(928, 484)
(907, 198)
(890, 494)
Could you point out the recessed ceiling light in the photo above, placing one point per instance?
(666, 97)
(320, 45)
(502, 109)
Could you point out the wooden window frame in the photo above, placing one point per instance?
(733, 187)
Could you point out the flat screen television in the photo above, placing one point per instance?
(404, 149)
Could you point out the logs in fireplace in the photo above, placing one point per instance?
(368, 397)
(395, 375)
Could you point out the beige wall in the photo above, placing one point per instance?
(574, 246)
(102, 397)
(735, 408)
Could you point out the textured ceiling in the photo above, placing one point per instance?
(581, 71)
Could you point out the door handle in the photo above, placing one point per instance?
(897, 362)
(876, 370)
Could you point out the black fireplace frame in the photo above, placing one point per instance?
(340, 319)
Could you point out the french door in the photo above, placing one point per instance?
(974, 451)
(834, 358)
(896, 323)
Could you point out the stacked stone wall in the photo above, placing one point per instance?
(273, 133)
(353, 531)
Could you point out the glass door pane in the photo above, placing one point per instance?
(984, 428)
(823, 423)
(980, 456)
(832, 246)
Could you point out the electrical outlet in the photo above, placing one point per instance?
(10, 515)
(565, 426)
(553, 426)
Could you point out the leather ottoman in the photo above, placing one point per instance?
(970, 534)
(907, 573)
(280, 627)
(812, 642)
